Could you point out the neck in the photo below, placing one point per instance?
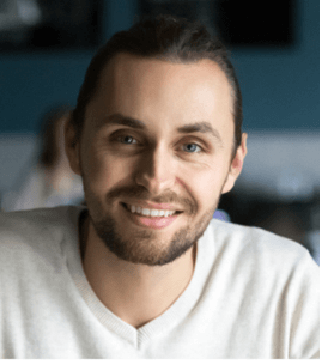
(140, 293)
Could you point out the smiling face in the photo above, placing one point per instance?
(156, 132)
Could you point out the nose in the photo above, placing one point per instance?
(156, 171)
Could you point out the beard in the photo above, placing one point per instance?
(149, 247)
(145, 246)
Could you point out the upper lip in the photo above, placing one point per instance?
(149, 205)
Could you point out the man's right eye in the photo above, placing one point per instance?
(125, 139)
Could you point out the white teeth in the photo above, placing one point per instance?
(151, 212)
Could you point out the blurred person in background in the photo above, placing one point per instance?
(50, 182)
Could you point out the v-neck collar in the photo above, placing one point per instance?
(178, 311)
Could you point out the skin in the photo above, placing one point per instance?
(149, 269)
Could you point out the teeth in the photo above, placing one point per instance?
(151, 212)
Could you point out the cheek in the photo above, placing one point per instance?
(104, 171)
(208, 185)
(204, 186)
(208, 190)
(95, 167)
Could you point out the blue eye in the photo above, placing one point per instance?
(193, 146)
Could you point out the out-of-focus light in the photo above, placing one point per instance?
(295, 183)
(18, 14)
(29, 12)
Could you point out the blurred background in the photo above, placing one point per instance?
(46, 46)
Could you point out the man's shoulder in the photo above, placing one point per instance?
(36, 218)
(256, 244)
(35, 227)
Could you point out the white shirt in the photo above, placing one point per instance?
(36, 190)
(253, 295)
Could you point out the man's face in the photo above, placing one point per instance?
(165, 161)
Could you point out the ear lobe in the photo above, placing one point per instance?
(229, 184)
(72, 146)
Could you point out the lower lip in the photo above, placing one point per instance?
(153, 223)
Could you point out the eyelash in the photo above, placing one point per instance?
(189, 143)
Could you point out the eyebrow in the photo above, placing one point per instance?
(196, 127)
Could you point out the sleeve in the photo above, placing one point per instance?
(304, 310)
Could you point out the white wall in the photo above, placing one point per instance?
(281, 164)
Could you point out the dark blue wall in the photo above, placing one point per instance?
(281, 89)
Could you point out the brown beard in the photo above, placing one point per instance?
(143, 247)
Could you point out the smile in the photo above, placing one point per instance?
(151, 218)
(149, 212)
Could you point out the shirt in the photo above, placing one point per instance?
(253, 295)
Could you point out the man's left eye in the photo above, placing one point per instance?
(193, 146)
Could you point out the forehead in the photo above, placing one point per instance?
(124, 63)
(127, 69)
(151, 90)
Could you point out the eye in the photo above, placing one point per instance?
(126, 139)
(192, 147)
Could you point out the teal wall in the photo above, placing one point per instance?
(30, 83)
(281, 89)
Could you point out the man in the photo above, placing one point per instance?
(144, 271)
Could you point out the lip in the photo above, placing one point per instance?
(150, 205)
(156, 223)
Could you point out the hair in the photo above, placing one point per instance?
(167, 38)
(49, 141)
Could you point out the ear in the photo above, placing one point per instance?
(236, 165)
(72, 145)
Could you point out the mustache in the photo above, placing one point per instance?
(140, 193)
